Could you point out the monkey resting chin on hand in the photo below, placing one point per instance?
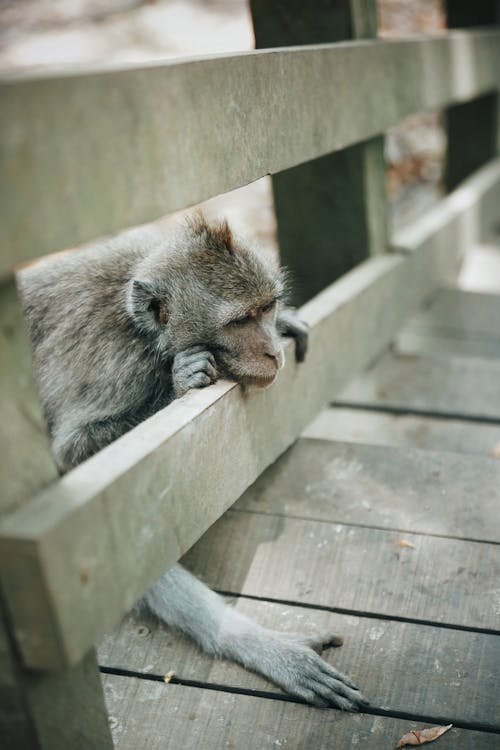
(122, 328)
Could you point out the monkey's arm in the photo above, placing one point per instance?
(290, 661)
(74, 443)
(288, 324)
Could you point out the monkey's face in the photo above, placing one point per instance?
(248, 347)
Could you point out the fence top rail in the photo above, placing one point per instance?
(84, 153)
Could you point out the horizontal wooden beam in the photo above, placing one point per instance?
(89, 151)
(77, 556)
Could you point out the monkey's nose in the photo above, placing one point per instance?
(278, 359)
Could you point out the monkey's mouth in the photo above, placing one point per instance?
(259, 382)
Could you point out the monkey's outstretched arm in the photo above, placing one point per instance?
(291, 662)
(288, 324)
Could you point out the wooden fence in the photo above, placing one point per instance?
(86, 152)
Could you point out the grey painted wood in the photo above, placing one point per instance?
(78, 543)
(454, 312)
(377, 428)
(128, 145)
(459, 386)
(393, 488)
(416, 669)
(445, 345)
(350, 567)
(157, 716)
(461, 218)
(466, 154)
(480, 116)
(26, 463)
(331, 212)
(39, 711)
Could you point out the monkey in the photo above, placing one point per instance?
(123, 327)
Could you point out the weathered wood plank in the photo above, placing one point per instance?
(441, 580)
(128, 145)
(415, 669)
(444, 345)
(393, 488)
(159, 716)
(377, 428)
(455, 312)
(459, 219)
(461, 386)
(26, 463)
(79, 542)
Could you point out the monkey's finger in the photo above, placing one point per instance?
(199, 380)
(327, 684)
(188, 359)
(336, 675)
(301, 343)
(195, 366)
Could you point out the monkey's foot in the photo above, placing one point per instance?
(193, 368)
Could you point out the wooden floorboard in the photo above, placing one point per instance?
(394, 488)
(469, 314)
(458, 386)
(405, 431)
(339, 566)
(157, 716)
(386, 659)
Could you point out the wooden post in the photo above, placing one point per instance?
(472, 128)
(40, 710)
(331, 212)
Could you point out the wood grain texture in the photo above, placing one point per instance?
(377, 428)
(26, 462)
(395, 488)
(460, 312)
(157, 716)
(129, 146)
(350, 567)
(412, 668)
(459, 386)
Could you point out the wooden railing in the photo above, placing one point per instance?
(91, 151)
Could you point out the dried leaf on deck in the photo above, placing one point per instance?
(422, 736)
(169, 675)
(404, 543)
(495, 451)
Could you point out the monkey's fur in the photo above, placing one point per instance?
(122, 328)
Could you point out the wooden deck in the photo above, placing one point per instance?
(381, 523)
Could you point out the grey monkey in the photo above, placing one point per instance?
(122, 328)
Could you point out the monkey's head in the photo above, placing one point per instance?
(208, 287)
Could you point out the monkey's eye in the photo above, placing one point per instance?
(270, 306)
(241, 321)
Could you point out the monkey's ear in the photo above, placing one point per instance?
(147, 306)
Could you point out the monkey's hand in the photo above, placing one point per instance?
(293, 662)
(288, 324)
(194, 367)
